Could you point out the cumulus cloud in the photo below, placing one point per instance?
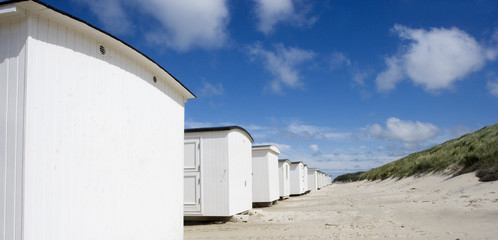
(194, 124)
(408, 132)
(434, 59)
(314, 147)
(339, 60)
(210, 89)
(493, 87)
(297, 130)
(113, 18)
(283, 63)
(181, 25)
(388, 79)
(270, 13)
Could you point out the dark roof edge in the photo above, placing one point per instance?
(297, 163)
(217, 129)
(261, 146)
(100, 30)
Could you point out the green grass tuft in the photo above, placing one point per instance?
(477, 151)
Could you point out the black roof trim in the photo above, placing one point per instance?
(100, 30)
(260, 146)
(217, 129)
(298, 163)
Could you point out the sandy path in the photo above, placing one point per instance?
(431, 207)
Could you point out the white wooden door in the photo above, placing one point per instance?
(192, 174)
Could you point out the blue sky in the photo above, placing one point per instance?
(342, 85)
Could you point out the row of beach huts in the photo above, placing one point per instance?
(93, 145)
(225, 175)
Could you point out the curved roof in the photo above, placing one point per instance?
(284, 160)
(266, 147)
(298, 163)
(219, 129)
(28, 4)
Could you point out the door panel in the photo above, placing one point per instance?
(191, 154)
(192, 174)
(191, 192)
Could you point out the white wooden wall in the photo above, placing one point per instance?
(297, 179)
(305, 177)
(312, 179)
(214, 173)
(265, 176)
(103, 152)
(284, 178)
(240, 171)
(13, 34)
(226, 183)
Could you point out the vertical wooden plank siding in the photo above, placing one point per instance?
(284, 178)
(265, 174)
(240, 172)
(260, 176)
(103, 153)
(13, 34)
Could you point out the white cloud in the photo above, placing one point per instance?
(210, 89)
(283, 64)
(180, 25)
(408, 132)
(270, 13)
(388, 79)
(434, 59)
(111, 13)
(493, 87)
(189, 23)
(339, 60)
(314, 147)
(315, 132)
(193, 124)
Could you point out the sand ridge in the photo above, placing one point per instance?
(429, 207)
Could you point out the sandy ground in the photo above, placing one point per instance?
(430, 207)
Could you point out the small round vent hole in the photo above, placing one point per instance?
(154, 79)
(102, 50)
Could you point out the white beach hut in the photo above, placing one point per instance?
(319, 179)
(265, 181)
(91, 132)
(312, 179)
(284, 178)
(297, 182)
(217, 172)
(305, 170)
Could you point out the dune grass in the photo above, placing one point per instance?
(477, 151)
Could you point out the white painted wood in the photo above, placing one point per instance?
(225, 171)
(297, 182)
(192, 182)
(13, 34)
(312, 179)
(284, 178)
(305, 176)
(265, 176)
(91, 146)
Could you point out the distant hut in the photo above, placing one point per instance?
(217, 171)
(284, 178)
(297, 182)
(265, 179)
(305, 170)
(312, 179)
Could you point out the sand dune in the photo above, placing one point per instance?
(430, 207)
